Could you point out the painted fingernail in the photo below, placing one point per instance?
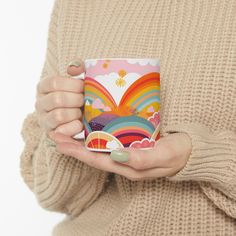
(74, 63)
(120, 156)
(51, 142)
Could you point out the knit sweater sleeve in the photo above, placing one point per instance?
(60, 183)
(212, 163)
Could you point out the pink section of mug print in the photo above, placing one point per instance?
(103, 67)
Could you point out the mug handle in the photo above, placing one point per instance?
(80, 135)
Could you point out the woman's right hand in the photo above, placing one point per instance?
(59, 101)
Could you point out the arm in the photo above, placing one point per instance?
(212, 162)
(60, 183)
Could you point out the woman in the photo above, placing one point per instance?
(186, 185)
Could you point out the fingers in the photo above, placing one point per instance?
(59, 99)
(62, 138)
(57, 83)
(70, 129)
(102, 161)
(94, 159)
(51, 120)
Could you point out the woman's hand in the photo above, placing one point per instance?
(59, 101)
(169, 155)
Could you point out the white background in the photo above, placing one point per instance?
(23, 35)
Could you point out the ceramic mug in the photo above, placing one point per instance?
(121, 103)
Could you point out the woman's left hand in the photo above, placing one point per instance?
(169, 155)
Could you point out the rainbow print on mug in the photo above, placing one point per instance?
(122, 103)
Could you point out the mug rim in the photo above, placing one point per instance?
(124, 58)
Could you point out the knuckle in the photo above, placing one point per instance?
(43, 123)
(38, 87)
(36, 105)
(53, 83)
(57, 99)
(81, 84)
(80, 126)
(80, 99)
(79, 113)
(138, 162)
(58, 116)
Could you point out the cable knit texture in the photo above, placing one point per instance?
(196, 43)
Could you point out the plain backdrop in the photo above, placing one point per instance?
(23, 37)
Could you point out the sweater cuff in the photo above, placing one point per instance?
(212, 157)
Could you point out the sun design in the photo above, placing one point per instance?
(105, 65)
(120, 82)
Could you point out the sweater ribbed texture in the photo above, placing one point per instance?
(196, 43)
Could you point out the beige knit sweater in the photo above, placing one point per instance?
(196, 43)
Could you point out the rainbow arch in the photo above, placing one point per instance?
(94, 90)
(143, 92)
(130, 128)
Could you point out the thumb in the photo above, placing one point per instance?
(75, 67)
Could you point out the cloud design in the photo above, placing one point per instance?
(155, 119)
(90, 62)
(103, 78)
(144, 61)
(144, 143)
(112, 145)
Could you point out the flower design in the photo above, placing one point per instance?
(105, 64)
(120, 82)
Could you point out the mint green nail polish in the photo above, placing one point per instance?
(74, 63)
(120, 156)
(50, 142)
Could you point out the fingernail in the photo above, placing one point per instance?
(120, 156)
(74, 63)
(51, 142)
